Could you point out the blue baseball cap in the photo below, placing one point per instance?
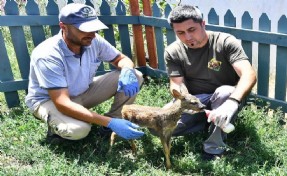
(82, 17)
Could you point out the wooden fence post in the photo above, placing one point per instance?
(138, 34)
(159, 38)
(21, 51)
(247, 23)
(263, 58)
(150, 37)
(281, 64)
(170, 35)
(213, 18)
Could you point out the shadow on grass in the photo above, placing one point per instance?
(95, 149)
(249, 152)
(245, 154)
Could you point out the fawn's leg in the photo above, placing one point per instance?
(112, 140)
(134, 147)
(168, 143)
(166, 150)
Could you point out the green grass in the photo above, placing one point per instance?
(258, 146)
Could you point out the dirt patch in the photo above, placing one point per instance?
(11, 162)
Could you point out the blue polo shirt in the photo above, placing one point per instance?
(54, 66)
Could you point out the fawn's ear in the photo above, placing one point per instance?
(178, 91)
(183, 89)
(176, 94)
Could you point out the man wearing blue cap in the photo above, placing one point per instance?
(62, 82)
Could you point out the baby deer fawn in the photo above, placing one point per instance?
(162, 120)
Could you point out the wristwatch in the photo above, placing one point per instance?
(234, 99)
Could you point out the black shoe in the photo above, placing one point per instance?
(53, 138)
(211, 157)
(104, 132)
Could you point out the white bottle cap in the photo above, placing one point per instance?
(228, 128)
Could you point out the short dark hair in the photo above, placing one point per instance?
(184, 12)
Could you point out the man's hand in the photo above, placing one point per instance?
(125, 128)
(227, 128)
(223, 114)
(128, 82)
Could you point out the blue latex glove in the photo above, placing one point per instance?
(125, 128)
(128, 82)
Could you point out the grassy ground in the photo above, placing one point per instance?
(258, 146)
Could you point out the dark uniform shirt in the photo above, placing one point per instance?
(207, 68)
